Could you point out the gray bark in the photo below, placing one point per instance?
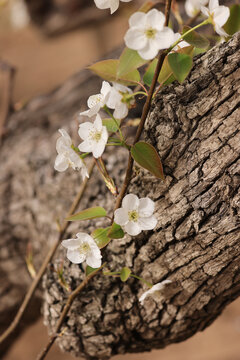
(195, 127)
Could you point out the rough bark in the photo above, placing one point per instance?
(195, 127)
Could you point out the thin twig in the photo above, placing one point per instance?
(145, 112)
(48, 258)
(65, 311)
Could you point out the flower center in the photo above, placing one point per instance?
(96, 135)
(150, 33)
(95, 99)
(133, 215)
(84, 248)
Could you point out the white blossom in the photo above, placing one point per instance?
(112, 4)
(135, 214)
(67, 156)
(147, 33)
(155, 290)
(192, 7)
(180, 45)
(116, 100)
(96, 102)
(218, 15)
(83, 248)
(94, 135)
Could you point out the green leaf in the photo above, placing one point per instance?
(111, 124)
(115, 232)
(147, 157)
(89, 270)
(233, 23)
(195, 39)
(107, 69)
(125, 273)
(100, 237)
(180, 64)
(91, 213)
(128, 61)
(148, 76)
(166, 75)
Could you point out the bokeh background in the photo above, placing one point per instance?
(47, 42)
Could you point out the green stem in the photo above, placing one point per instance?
(141, 279)
(136, 93)
(205, 22)
(111, 115)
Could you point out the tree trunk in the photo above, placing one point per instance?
(195, 127)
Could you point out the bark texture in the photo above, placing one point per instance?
(195, 126)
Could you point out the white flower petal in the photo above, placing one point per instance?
(71, 244)
(84, 237)
(130, 202)
(149, 51)
(105, 89)
(114, 4)
(205, 11)
(213, 4)
(66, 137)
(155, 19)
(98, 123)
(155, 288)
(135, 39)
(147, 223)
(77, 162)
(132, 228)
(84, 129)
(61, 163)
(94, 262)
(102, 4)
(121, 111)
(220, 15)
(165, 38)
(98, 148)
(104, 134)
(121, 216)
(146, 207)
(61, 145)
(137, 19)
(114, 98)
(75, 256)
(86, 146)
(220, 31)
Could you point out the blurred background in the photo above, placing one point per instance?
(46, 42)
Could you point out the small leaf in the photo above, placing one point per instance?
(181, 65)
(125, 273)
(91, 213)
(100, 237)
(148, 76)
(107, 69)
(128, 61)
(147, 157)
(89, 270)
(111, 124)
(195, 39)
(166, 75)
(115, 232)
(233, 23)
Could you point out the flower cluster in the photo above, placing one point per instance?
(218, 15)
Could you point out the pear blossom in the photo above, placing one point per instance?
(135, 214)
(180, 45)
(96, 102)
(154, 291)
(147, 33)
(67, 156)
(116, 100)
(94, 135)
(218, 15)
(192, 7)
(112, 4)
(83, 248)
